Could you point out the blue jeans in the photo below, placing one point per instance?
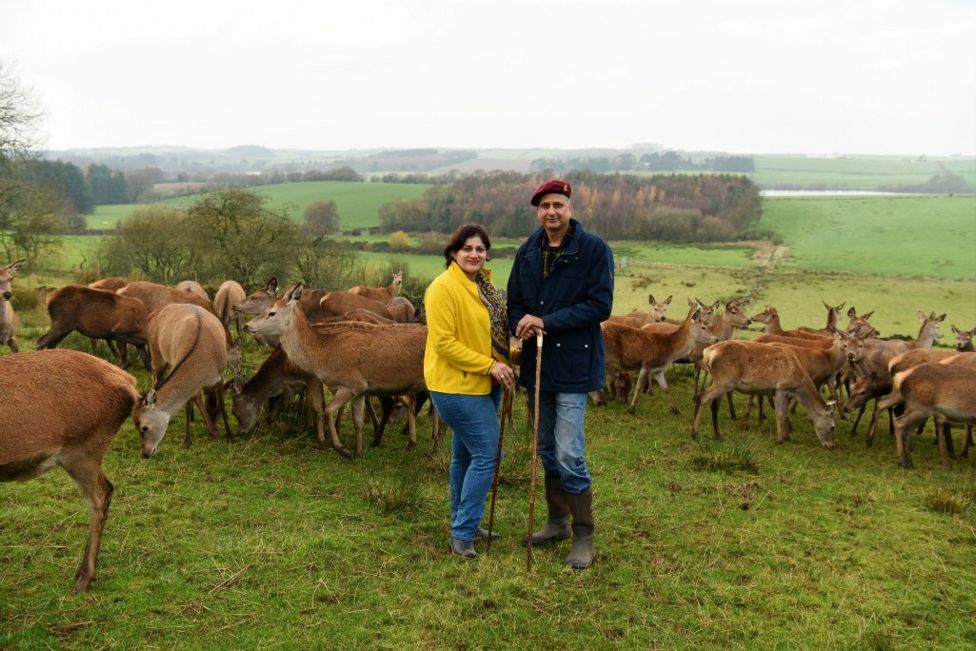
(474, 442)
(561, 438)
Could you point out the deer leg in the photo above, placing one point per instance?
(313, 391)
(358, 420)
(968, 442)
(762, 414)
(642, 380)
(728, 397)
(711, 394)
(201, 400)
(188, 418)
(947, 437)
(409, 402)
(340, 397)
(903, 429)
(97, 491)
(941, 433)
(379, 426)
(780, 401)
(857, 420)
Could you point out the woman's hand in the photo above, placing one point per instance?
(503, 374)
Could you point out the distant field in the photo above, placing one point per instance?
(856, 172)
(888, 236)
(357, 202)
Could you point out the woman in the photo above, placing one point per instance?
(465, 369)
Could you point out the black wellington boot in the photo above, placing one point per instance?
(557, 524)
(581, 555)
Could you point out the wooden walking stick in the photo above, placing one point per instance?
(506, 405)
(535, 446)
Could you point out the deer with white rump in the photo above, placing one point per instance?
(350, 358)
(8, 318)
(63, 408)
(192, 343)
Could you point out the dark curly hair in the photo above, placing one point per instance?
(460, 236)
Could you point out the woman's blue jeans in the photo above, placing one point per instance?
(561, 438)
(474, 425)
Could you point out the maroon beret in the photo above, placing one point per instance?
(555, 186)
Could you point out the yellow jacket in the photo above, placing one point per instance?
(458, 354)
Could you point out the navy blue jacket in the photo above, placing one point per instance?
(572, 302)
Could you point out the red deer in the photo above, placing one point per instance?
(156, 296)
(402, 310)
(228, 296)
(338, 303)
(833, 313)
(63, 408)
(192, 342)
(652, 352)
(193, 287)
(97, 314)
(8, 318)
(352, 359)
(770, 317)
(111, 284)
(945, 390)
(257, 302)
(381, 294)
(754, 369)
(657, 313)
(964, 339)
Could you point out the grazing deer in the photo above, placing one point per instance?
(946, 390)
(657, 313)
(754, 369)
(97, 314)
(192, 342)
(652, 352)
(228, 296)
(278, 379)
(352, 359)
(63, 408)
(381, 294)
(8, 318)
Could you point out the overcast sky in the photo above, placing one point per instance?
(747, 76)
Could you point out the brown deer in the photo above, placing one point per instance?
(657, 313)
(111, 284)
(770, 317)
(257, 302)
(352, 359)
(338, 303)
(192, 343)
(63, 408)
(193, 287)
(652, 352)
(8, 318)
(156, 296)
(228, 296)
(278, 379)
(964, 339)
(945, 390)
(381, 294)
(755, 368)
(833, 314)
(402, 310)
(97, 314)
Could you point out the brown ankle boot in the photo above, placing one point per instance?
(557, 524)
(581, 555)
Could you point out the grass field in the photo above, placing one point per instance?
(270, 542)
(856, 172)
(357, 202)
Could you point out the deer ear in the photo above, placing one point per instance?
(149, 400)
(831, 407)
(296, 293)
(955, 330)
(941, 318)
(14, 266)
(272, 285)
(851, 313)
(650, 299)
(667, 301)
(841, 306)
(866, 316)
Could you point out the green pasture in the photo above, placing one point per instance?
(857, 172)
(272, 542)
(931, 237)
(357, 202)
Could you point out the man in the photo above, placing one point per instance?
(562, 286)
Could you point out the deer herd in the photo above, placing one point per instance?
(64, 407)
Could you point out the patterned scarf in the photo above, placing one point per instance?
(497, 314)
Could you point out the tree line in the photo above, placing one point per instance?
(675, 208)
(666, 161)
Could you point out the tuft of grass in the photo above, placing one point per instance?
(727, 458)
(400, 497)
(944, 500)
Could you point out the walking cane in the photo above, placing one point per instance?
(535, 447)
(506, 406)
